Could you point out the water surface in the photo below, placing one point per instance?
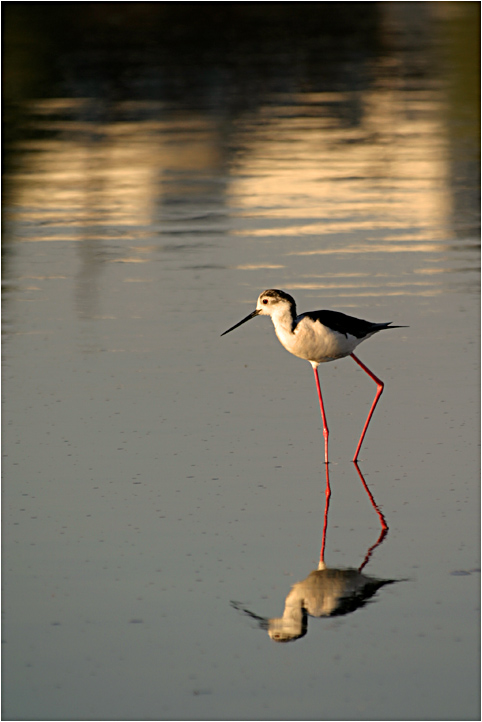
(164, 488)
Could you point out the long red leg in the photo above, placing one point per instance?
(325, 425)
(380, 386)
(325, 519)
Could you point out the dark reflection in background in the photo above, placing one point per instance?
(144, 61)
(229, 56)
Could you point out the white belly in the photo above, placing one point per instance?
(316, 343)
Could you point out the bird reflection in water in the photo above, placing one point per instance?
(326, 592)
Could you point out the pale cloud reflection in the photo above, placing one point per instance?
(283, 184)
(108, 172)
(257, 267)
(355, 177)
(377, 248)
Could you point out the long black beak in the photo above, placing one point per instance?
(251, 315)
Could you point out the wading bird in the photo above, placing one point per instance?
(318, 337)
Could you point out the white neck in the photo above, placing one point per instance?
(282, 320)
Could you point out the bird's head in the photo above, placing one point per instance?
(269, 302)
(273, 301)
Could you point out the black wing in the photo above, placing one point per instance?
(344, 324)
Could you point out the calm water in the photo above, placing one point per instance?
(164, 490)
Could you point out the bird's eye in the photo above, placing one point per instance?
(265, 300)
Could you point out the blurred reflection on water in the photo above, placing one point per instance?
(326, 592)
(159, 166)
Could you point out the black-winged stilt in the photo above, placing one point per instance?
(318, 337)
